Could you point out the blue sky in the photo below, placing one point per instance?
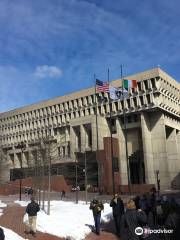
(52, 47)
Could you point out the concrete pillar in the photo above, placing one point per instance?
(24, 160)
(94, 134)
(5, 165)
(178, 145)
(147, 149)
(31, 159)
(172, 154)
(72, 143)
(122, 155)
(83, 138)
(158, 135)
(16, 161)
(103, 131)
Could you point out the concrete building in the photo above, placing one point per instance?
(69, 122)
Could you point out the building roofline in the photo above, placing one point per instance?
(154, 72)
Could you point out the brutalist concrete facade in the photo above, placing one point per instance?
(153, 130)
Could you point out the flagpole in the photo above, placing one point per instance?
(112, 159)
(125, 134)
(97, 137)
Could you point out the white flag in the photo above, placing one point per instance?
(112, 92)
(118, 93)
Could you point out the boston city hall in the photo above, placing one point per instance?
(79, 129)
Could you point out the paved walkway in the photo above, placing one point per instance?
(13, 216)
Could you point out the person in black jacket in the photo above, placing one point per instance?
(30, 191)
(131, 220)
(136, 201)
(2, 236)
(173, 221)
(96, 207)
(32, 209)
(118, 210)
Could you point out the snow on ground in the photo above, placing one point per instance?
(10, 235)
(68, 219)
(2, 205)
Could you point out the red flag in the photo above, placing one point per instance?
(133, 84)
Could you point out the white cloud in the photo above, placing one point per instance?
(48, 71)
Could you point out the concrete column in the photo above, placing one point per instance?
(83, 138)
(122, 155)
(178, 145)
(147, 149)
(31, 159)
(172, 154)
(5, 165)
(94, 134)
(24, 160)
(72, 143)
(103, 131)
(16, 161)
(158, 135)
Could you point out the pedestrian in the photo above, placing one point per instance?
(32, 209)
(118, 210)
(173, 221)
(30, 191)
(2, 236)
(96, 207)
(159, 212)
(165, 208)
(143, 204)
(153, 205)
(136, 201)
(63, 194)
(132, 219)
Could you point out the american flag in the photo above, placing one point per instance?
(102, 86)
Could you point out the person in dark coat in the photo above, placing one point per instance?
(153, 205)
(63, 194)
(118, 210)
(136, 201)
(30, 191)
(2, 236)
(165, 208)
(159, 212)
(32, 209)
(173, 221)
(143, 204)
(96, 207)
(132, 219)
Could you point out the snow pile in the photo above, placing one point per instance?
(2, 205)
(10, 235)
(22, 203)
(68, 220)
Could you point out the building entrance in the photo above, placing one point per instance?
(136, 165)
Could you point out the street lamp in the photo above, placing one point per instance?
(49, 173)
(76, 171)
(85, 175)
